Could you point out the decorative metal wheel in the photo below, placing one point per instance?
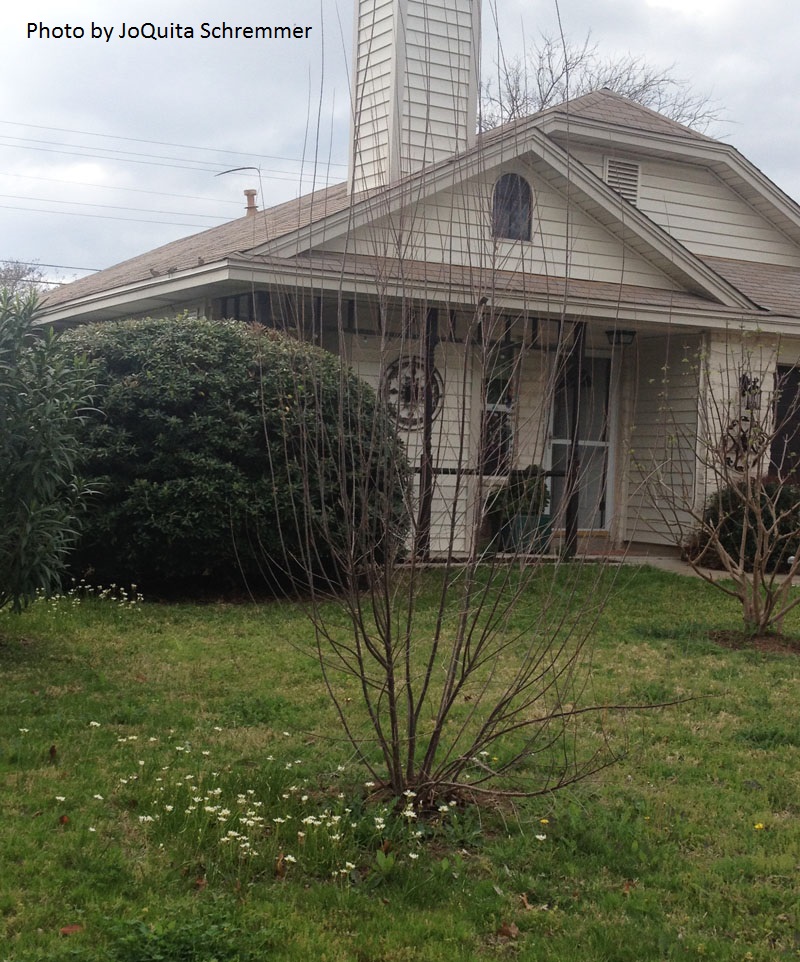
(404, 390)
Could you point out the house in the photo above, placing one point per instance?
(571, 289)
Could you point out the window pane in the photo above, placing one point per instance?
(511, 208)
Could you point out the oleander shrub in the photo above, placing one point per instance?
(226, 452)
(757, 524)
(41, 494)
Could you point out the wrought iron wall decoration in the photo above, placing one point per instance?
(743, 444)
(750, 392)
(403, 388)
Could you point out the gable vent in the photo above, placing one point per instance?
(623, 177)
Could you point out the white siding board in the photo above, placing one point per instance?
(369, 356)
(662, 438)
(420, 57)
(455, 227)
(708, 217)
(692, 204)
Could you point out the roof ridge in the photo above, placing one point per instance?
(606, 106)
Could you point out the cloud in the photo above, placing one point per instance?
(146, 124)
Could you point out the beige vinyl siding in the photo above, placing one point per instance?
(454, 227)
(663, 384)
(789, 352)
(699, 210)
(369, 357)
(440, 81)
(708, 217)
(415, 84)
(453, 498)
(373, 87)
(594, 159)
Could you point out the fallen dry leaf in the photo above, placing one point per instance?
(70, 930)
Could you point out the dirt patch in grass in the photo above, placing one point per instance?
(773, 642)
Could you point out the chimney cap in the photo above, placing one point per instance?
(251, 194)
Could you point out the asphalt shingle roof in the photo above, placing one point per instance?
(210, 245)
(774, 288)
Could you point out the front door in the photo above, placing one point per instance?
(593, 445)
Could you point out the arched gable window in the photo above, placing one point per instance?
(512, 207)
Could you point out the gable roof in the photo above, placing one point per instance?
(292, 228)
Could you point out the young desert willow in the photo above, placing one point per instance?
(451, 665)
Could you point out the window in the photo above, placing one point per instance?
(496, 425)
(512, 206)
(251, 308)
(785, 452)
(593, 443)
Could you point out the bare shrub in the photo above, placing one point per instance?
(739, 511)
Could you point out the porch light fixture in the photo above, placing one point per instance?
(618, 338)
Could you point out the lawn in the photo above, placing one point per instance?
(174, 788)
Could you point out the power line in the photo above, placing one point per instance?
(58, 267)
(195, 166)
(158, 143)
(116, 154)
(77, 153)
(141, 210)
(137, 190)
(75, 213)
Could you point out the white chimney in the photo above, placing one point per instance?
(415, 86)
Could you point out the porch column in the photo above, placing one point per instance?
(430, 342)
(573, 375)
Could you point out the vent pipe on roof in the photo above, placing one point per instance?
(251, 208)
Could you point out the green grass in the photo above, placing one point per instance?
(135, 739)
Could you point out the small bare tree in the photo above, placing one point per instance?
(553, 70)
(456, 663)
(456, 656)
(739, 511)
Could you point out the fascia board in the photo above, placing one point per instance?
(128, 296)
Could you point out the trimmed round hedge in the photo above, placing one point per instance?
(223, 452)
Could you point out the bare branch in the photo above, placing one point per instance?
(551, 72)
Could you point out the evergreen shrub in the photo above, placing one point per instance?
(771, 514)
(41, 493)
(224, 451)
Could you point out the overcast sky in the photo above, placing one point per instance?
(109, 148)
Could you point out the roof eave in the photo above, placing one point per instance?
(134, 298)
